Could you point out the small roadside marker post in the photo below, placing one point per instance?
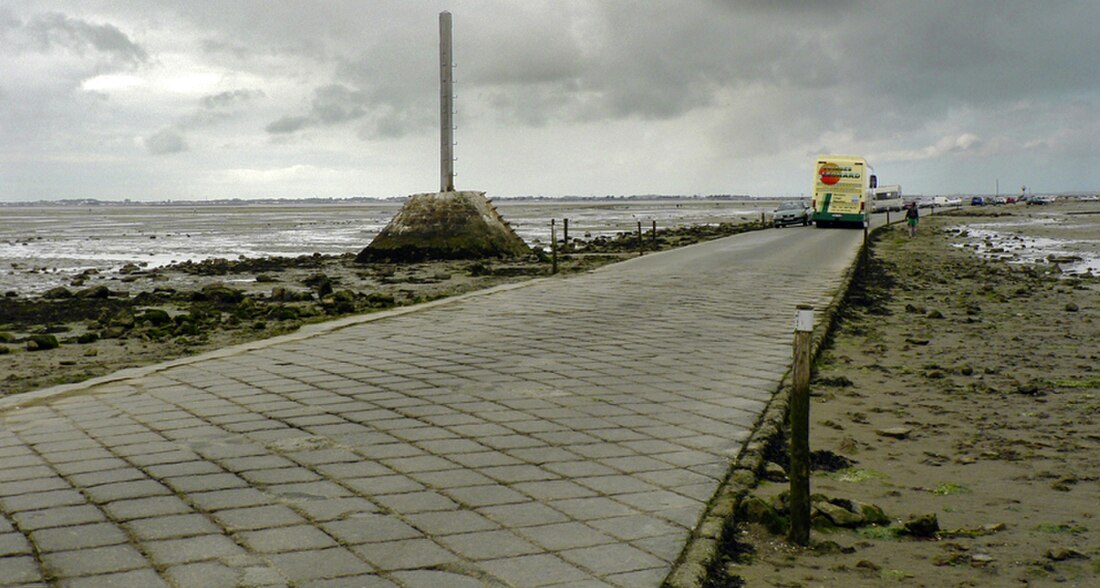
(553, 246)
(654, 235)
(800, 427)
(641, 246)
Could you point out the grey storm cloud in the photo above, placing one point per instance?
(332, 104)
(706, 85)
(229, 98)
(54, 30)
(165, 142)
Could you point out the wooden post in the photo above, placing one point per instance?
(553, 247)
(640, 238)
(446, 105)
(565, 233)
(800, 427)
(654, 235)
(866, 246)
(887, 216)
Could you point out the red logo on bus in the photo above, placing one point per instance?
(829, 174)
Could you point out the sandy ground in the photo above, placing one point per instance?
(959, 387)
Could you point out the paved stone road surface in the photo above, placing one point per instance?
(568, 432)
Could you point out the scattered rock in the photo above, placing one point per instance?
(774, 472)
(42, 342)
(1062, 554)
(57, 293)
(94, 292)
(923, 526)
(838, 515)
(895, 432)
(1071, 307)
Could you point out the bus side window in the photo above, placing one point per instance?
(874, 181)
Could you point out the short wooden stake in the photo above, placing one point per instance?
(640, 251)
(553, 247)
(800, 427)
(653, 234)
(565, 233)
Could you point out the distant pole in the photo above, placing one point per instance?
(446, 105)
(640, 251)
(654, 234)
(565, 233)
(800, 427)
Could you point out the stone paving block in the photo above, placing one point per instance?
(578, 469)
(204, 575)
(191, 549)
(303, 566)
(415, 502)
(40, 500)
(171, 526)
(486, 459)
(186, 468)
(651, 577)
(438, 579)
(389, 451)
(139, 508)
(591, 508)
(283, 539)
(33, 485)
(657, 500)
(259, 517)
(331, 509)
(455, 478)
(14, 544)
(234, 498)
(370, 529)
(92, 465)
(405, 555)
(254, 462)
(438, 524)
(488, 495)
(612, 558)
(568, 535)
(77, 537)
(524, 514)
(206, 482)
(19, 570)
(28, 472)
(307, 491)
(32, 520)
(125, 490)
(535, 570)
(634, 527)
(493, 544)
(97, 560)
(279, 476)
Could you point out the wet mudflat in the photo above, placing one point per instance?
(960, 397)
(101, 322)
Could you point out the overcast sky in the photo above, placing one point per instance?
(276, 98)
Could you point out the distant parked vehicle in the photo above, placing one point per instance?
(938, 201)
(1010, 200)
(791, 213)
(977, 201)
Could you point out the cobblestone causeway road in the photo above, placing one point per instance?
(567, 432)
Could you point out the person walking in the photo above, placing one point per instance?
(912, 217)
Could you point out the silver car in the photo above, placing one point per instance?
(791, 213)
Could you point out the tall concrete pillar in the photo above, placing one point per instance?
(446, 105)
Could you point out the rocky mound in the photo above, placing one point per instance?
(445, 225)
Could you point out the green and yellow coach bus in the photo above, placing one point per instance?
(842, 192)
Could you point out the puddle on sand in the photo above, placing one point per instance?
(1055, 239)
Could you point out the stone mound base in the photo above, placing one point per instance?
(444, 225)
